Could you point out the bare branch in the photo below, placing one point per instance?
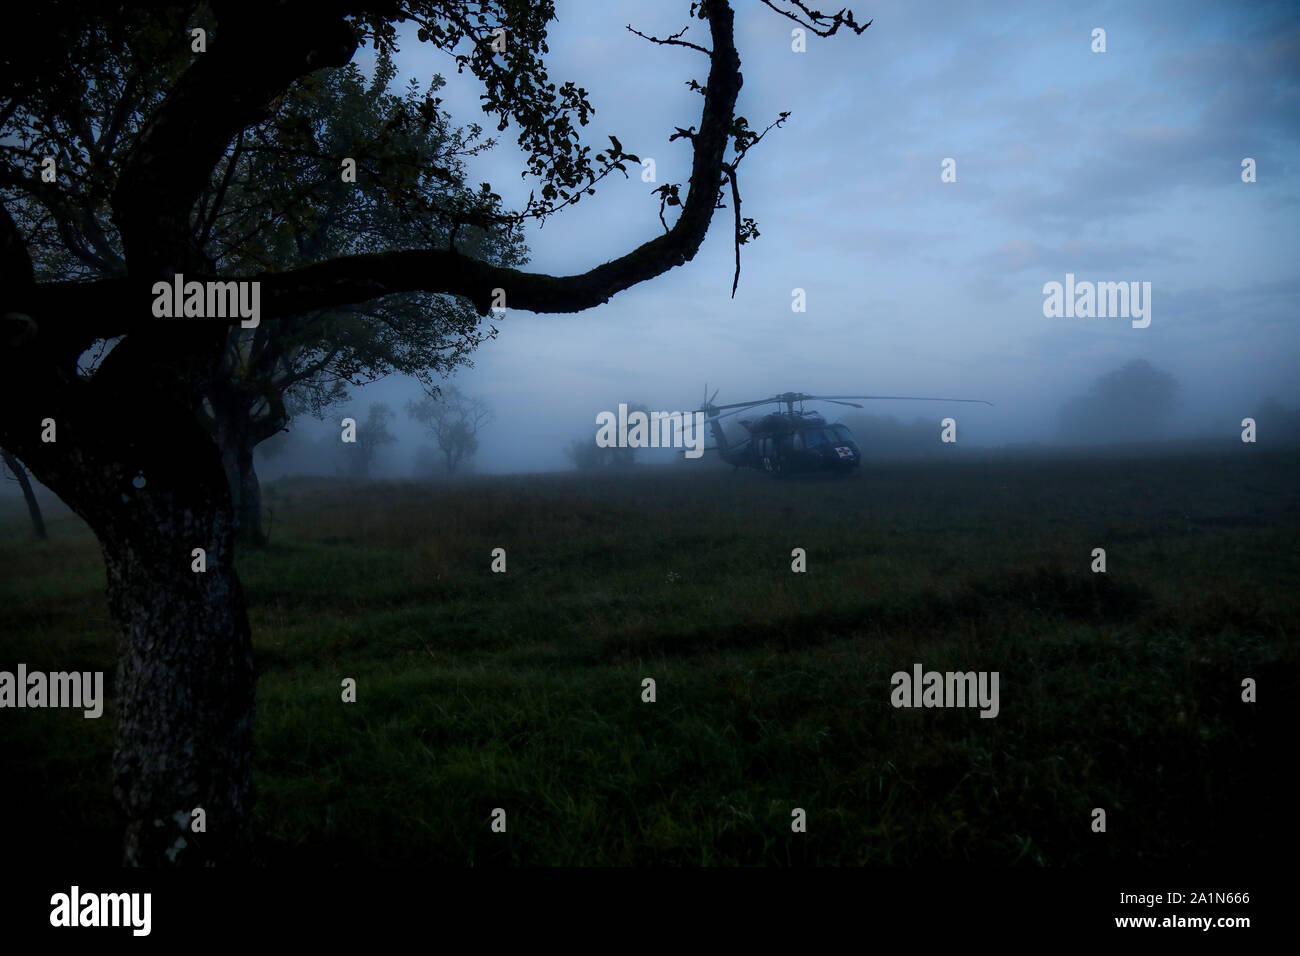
(221, 192)
(818, 22)
(735, 202)
(101, 309)
(673, 39)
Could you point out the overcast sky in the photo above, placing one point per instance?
(1115, 166)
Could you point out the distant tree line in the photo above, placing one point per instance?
(585, 455)
(1135, 402)
(451, 418)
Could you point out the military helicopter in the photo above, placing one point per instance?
(790, 441)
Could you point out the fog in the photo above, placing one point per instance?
(1115, 166)
(1122, 166)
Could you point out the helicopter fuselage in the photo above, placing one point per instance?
(783, 443)
(796, 441)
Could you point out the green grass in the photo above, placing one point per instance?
(523, 690)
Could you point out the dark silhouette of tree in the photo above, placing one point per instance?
(372, 434)
(130, 203)
(454, 420)
(586, 454)
(1276, 422)
(271, 210)
(306, 364)
(29, 495)
(1133, 403)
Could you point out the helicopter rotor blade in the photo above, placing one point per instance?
(898, 398)
(715, 418)
(762, 401)
(737, 410)
(789, 398)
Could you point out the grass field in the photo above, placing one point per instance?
(523, 690)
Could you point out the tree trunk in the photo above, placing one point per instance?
(229, 463)
(33, 506)
(185, 681)
(233, 430)
(245, 489)
(184, 686)
(248, 503)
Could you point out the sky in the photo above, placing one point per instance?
(1117, 166)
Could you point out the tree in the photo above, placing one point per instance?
(372, 434)
(1276, 421)
(269, 213)
(29, 495)
(133, 457)
(1133, 403)
(270, 208)
(454, 419)
(587, 454)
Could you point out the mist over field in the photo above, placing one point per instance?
(1116, 166)
(1120, 166)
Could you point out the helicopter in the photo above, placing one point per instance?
(795, 441)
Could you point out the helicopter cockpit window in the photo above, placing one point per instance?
(814, 436)
(840, 433)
